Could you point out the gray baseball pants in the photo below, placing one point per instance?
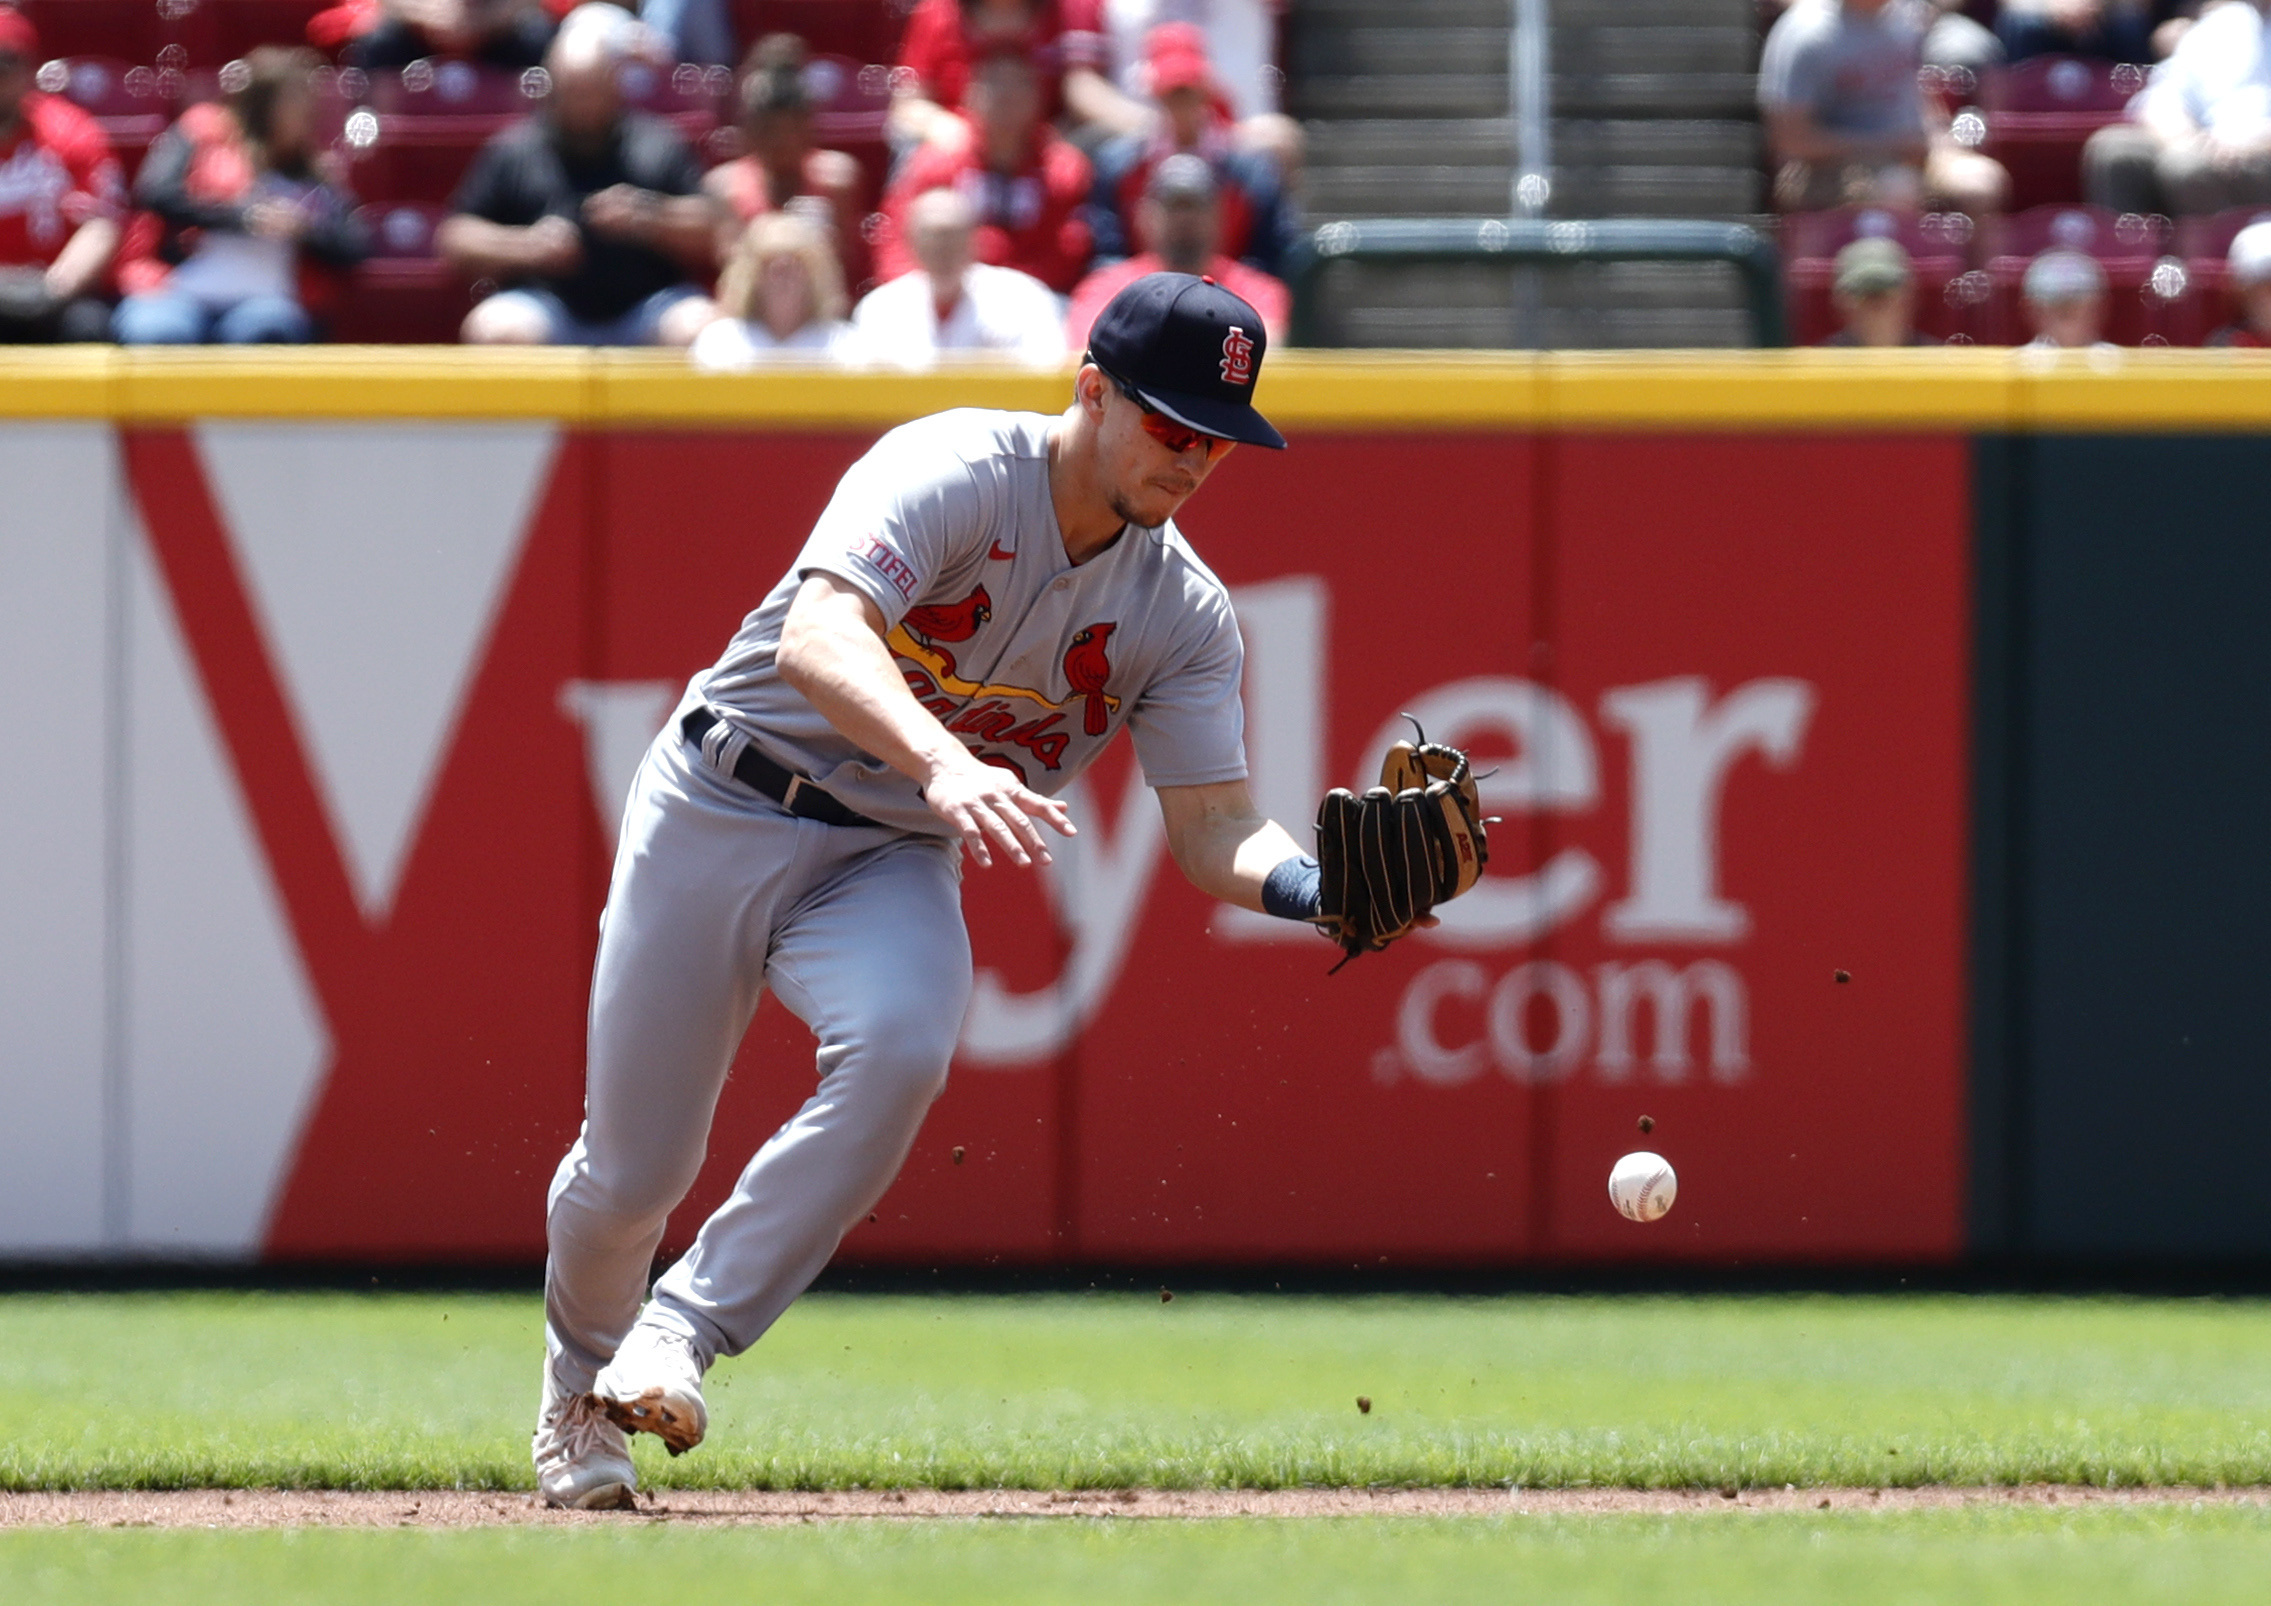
(718, 893)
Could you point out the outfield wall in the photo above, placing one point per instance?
(325, 673)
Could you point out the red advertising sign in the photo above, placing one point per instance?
(1720, 684)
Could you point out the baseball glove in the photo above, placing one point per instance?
(1386, 859)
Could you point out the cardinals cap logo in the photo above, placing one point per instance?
(1237, 357)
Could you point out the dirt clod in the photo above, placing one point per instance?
(1364, 1405)
(1647, 1125)
(1167, 1296)
(1842, 976)
(959, 1151)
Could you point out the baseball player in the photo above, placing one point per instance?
(986, 600)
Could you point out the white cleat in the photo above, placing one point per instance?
(654, 1385)
(582, 1459)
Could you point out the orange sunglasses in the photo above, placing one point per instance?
(1177, 438)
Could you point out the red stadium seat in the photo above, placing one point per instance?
(2041, 112)
(417, 130)
(218, 31)
(123, 30)
(1938, 246)
(865, 30)
(2154, 301)
(133, 104)
(404, 294)
(694, 98)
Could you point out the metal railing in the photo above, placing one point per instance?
(1529, 240)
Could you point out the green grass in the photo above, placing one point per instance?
(1111, 1389)
(1981, 1557)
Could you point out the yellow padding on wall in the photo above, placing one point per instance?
(1962, 389)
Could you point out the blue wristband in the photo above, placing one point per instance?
(1293, 889)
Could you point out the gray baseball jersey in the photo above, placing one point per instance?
(946, 525)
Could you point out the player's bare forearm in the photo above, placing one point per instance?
(1223, 844)
(832, 652)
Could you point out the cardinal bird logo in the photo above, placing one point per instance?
(952, 621)
(1086, 670)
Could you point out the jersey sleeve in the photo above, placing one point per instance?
(1189, 725)
(900, 517)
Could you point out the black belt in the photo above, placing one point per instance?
(785, 787)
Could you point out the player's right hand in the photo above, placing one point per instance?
(992, 808)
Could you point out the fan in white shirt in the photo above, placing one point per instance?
(2198, 137)
(955, 303)
(782, 295)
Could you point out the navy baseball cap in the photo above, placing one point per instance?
(1189, 349)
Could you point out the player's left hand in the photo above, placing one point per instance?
(1385, 859)
(991, 808)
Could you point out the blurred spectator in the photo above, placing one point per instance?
(496, 33)
(782, 295)
(2199, 135)
(782, 168)
(1256, 225)
(1025, 184)
(260, 235)
(2249, 274)
(1847, 122)
(1179, 222)
(952, 301)
(692, 30)
(947, 39)
(60, 200)
(2108, 30)
(1240, 39)
(591, 216)
(1953, 39)
(1235, 39)
(1875, 296)
(2065, 295)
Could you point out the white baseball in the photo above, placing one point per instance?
(1642, 1186)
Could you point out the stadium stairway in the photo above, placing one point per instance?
(1408, 114)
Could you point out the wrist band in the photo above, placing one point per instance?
(1293, 890)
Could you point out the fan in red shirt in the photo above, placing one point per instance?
(1179, 221)
(61, 196)
(946, 39)
(1194, 117)
(1028, 187)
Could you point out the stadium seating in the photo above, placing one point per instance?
(131, 103)
(2153, 299)
(405, 292)
(1938, 245)
(2041, 112)
(865, 30)
(125, 30)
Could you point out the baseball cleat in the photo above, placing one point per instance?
(582, 1459)
(654, 1385)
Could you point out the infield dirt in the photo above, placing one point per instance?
(310, 1508)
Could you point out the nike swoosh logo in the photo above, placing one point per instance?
(997, 552)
